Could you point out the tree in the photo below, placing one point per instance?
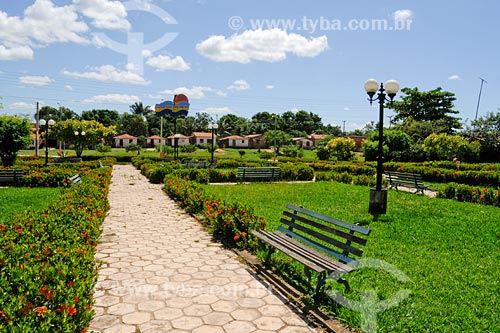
(341, 148)
(434, 106)
(72, 131)
(486, 130)
(133, 124)
(106, 117)
(282, 139)
(139, 109)
(446, 147)
(396, 145)
(14, 135)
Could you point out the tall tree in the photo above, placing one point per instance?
(436, 106)
(105, 117)
(139, 109)
(133, 124)
(14, 136)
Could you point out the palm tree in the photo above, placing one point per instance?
(139, 109)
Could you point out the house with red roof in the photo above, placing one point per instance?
(201, 138)
(124, 140)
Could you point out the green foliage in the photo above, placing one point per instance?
(280, 137)
(133, 147)
(242, 153)
(473, 194)
(16, 200)
(103, 148)
(190, 148)
(292, 151)
(14, 136)
(291, 171)
(446, 147)
(434, 106)
(72, 131)
(47, 264)
(396, 145)
(341, 148)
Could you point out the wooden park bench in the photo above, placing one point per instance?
(75, 179)
(195, 164)
(411, 180)
(267, 173)
(12, 176)
(321, 243)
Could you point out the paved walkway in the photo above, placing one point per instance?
(161, 272)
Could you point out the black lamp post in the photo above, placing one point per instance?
(46, 124)
(176, 146)
(213, 128)
(378, 195)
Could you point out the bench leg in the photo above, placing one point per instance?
(337, 276)
(270, 251)
(321, 282)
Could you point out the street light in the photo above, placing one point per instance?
(176, 146)
(378, 195)
(213, 128)
(79, 142)
(46, 124)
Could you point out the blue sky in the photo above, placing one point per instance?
(244, 57)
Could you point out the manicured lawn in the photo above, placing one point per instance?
(15, 200)
(450, 251)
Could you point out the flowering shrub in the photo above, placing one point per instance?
(47, 265)
(231, 221)
(474, 194)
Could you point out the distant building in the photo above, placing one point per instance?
(358, 139)
(256, 141)
(234, 141)
(201, 138)
(124, 140)
(183, 140)
(309, 142)
(155, 140)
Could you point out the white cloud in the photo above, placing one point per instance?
(21, 106)
(454, 77)
(403, 15)
(68, 87)
(214, 110)
(104, 13)
(113, 98)
(163, 63)
(263, 45)
(195, 92)
(39, 81)
(15, 53)
(109, 73)
(269, 86)
(347, 108)
(43, 23)
(239, 85)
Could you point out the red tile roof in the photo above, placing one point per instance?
(125, 136)
(202, 135)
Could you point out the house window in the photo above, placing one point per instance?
(242, 141)
(201, 140)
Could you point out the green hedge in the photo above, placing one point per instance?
(232, 222)
(47, 265)
(473, 194)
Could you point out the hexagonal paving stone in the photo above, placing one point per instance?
(136, 318)
(120, 276)
(246, 314)
(187, 323)
(150, 305)
(105, 321)
(224, 306)
(179, 302)
(217, 318)
(205, 299)
(168, 314)
(208, 329)
(293, 320)
(107, 300)
(197, 310)
(120, 328)
(296, 329)
(269, 323)
(251, 303)
(273, 310)
(155, 326)
(238, 326)
(121, 309)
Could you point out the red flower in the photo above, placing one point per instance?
(2, 314)
(236, 237)
(71, 310)
(41, 310)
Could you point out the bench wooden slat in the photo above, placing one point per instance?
(357, 228)
(405, 179)
(75, 179)
(246, 172)
(11, 175)
(340, 233)
(268, 238)
(323, 237)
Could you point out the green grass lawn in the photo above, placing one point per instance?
(15, 200)
(450, 251)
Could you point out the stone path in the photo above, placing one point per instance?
(162, 273)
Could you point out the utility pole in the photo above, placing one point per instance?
(37, 126)
(343, 128)
(479, 98)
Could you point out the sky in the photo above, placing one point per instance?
(244, 57)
